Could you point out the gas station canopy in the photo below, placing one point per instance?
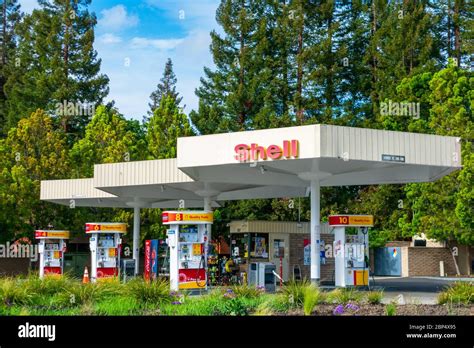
(335, 155)
(270, 163)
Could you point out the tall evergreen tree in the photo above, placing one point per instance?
(234, 90)
(166, 87)
(58, 65)
(10, 16)
(166, 125)
(403, 43)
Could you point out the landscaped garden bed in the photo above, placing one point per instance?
(64, 296)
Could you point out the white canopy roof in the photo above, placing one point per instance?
(207, 166)
(335, 155)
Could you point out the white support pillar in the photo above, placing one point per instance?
(339, 250)
(136, 237)
(207, 207)
(315, 232)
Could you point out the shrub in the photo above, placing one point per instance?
(273, 303)
(460, 293)
(12, 293)
(343, 296)
(234, 306)
(294, 293)
(391, 309)
(374, 297)
(247, 291)
(155, 292)
(81, 294)
(47, 286)
(311, 297)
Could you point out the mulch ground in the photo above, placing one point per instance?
(379, 309)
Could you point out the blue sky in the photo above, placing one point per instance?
(134, 38)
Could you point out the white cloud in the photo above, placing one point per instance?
(109, 38)
(131, 86)
(161, 44)
(116, 18)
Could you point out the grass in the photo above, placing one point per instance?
(294, 292)
(247, 291)
(272, 304)
(311, 297)
(117, 306)
(218, 302)
(12, 293)
(391, 309)
(65, 296)
(460, 293)
(374, 297)
(344, 295)
(156, 292)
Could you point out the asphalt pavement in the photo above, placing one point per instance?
(412, 290)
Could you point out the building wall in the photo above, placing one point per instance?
(465, 258)
(405, 268)
(14, 266)
(297, 257)
(424, 261)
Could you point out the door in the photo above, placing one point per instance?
(388, 261)
(280, 246)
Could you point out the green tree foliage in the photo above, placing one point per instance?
(57, 65)
(166, 125)
(33, 151)
(444, 209)
(234, 91)
(10, 16)
(109, 138)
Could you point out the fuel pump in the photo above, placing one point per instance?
(188, 242)
(51, 248)
(351, 252)
(105, 243)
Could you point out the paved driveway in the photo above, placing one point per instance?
(418, 290)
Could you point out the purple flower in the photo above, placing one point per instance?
(176, 303)
(230, 290)
(338, 310)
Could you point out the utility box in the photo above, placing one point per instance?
(127, 269)
(262, 275)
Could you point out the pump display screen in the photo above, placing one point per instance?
(189, 235)
(105, 241)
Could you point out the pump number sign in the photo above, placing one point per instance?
(93, 227)
(351, 220)
(41, 234)
(175, 217)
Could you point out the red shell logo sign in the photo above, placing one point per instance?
(182, 278)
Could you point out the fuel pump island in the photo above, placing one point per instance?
(52, 245)
(105, 243)
(188, 242)
(351, 252)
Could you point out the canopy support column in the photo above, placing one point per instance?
(315, 232)
(136, 237)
